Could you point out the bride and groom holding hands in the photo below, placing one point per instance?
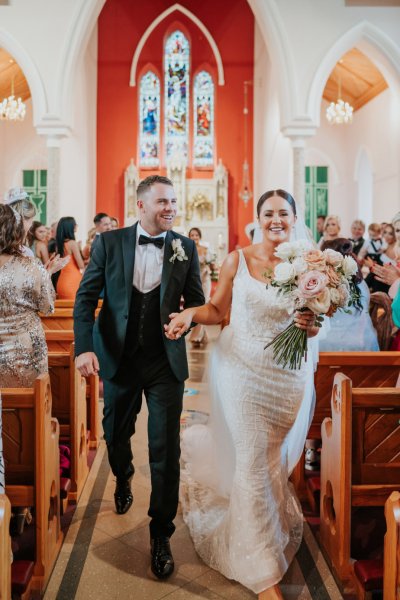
(244, 519)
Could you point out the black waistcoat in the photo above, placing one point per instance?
(144, 324)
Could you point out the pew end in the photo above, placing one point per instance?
(5, 548)
(31, 455)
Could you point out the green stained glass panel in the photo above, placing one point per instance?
(316, 196)
(35, 183)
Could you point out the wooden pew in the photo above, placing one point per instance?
(60, 342)
(5, 548)
(360, 464)
(68, 389)
(63, 316)
(365, 369)
(30, 439)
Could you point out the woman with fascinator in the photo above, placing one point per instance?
(244, 518)
(18, 199)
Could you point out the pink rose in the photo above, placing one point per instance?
(311, 284)
(315, 260)
(321, 303)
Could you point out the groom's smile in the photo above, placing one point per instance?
(158, 208)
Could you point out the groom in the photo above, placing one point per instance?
(144, 271)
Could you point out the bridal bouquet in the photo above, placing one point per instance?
(323, 282)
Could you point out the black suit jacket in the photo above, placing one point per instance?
(111, 268)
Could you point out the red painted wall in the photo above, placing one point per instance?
(121, 25)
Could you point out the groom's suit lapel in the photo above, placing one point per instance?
(167, 264)
(128, 251)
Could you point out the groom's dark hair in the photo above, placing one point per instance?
(146, 184)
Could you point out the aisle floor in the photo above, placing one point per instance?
(106, 556)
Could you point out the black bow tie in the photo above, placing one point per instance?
(157, 241)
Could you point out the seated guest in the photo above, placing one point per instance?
(352, 331)
(52, 244)
(374, 247)
(357, 233)
(331, 229)
(320, 226)
(87, 247)
(37, 236)
(388, 257)
(69, 279)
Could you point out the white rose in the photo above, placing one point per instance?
(335, 296)
(349, 266)
(285, 251)
(302, 246)
(333, 258)
(300, 265)
(284, 273)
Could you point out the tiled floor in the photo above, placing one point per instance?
(106, 556)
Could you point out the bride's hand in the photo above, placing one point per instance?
(179, 324)
(306, 320)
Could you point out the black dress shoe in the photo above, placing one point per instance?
(123, 497)
(162, 561)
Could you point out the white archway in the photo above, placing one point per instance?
(39, 100)
(196, 21)
(374, 43)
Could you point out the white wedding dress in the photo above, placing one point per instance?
(242, 514)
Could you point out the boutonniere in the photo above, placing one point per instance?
(179, 251)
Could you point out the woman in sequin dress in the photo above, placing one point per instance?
(25, 289)
(244, 518)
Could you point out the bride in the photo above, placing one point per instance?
(243, 517)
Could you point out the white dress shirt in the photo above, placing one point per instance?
(148, 263)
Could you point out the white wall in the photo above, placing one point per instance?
(78, 152)
(271, 150)
(376, 131)
(21, 148)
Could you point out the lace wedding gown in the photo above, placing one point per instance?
(243, 517)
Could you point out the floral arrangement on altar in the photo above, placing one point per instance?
(321, 281)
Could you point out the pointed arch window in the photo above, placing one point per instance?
(176, 72)
(203, 116)
(149, 120)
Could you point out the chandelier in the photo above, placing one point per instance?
(340, 111)
(245, 191)
(11, 108)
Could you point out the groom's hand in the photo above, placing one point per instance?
(179, 324)
(87, 364)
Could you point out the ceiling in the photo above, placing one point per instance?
(8, 70)
(359, 78)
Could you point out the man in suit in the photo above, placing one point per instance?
(144, 270)
(102, 222)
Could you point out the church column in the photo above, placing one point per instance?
(53, 178)
(299, 187)
(298, 134)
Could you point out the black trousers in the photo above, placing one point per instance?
(149, 374)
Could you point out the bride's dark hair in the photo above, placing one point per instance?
(285, 195)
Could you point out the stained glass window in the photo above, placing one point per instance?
(149, 120)
(176, 64)
(203, 111)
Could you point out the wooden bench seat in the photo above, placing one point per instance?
(60, 341)
(5, 548)
(68, 389)
(360, 464)
(30, 439)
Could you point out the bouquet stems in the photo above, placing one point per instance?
(289, 347)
